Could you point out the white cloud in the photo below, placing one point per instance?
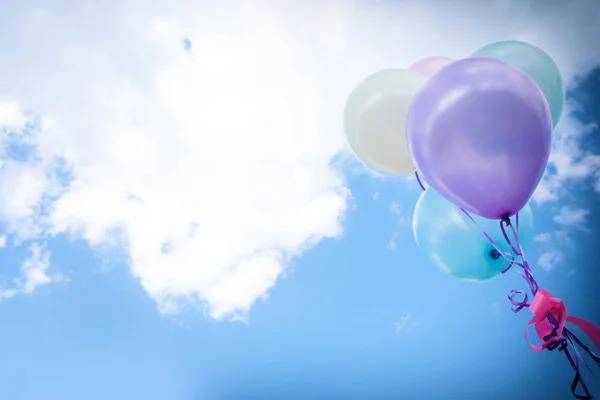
(392, 244)
(33, 273)
(554, 247)
(542, 237)
(376, 196)
(551, 259)
(571, 217)
(407, 323)
(395, 209)
(557, 242)
(210, 174)
(11, 115)
(228, 167)
(22, 186)
(2, 241)
(569, 161)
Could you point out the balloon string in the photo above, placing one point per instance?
(507, 256)
(572, 338)
(577, 353)
(534, 288)
(567, 337)
(527, 275)
(419, 180)
(517, 249)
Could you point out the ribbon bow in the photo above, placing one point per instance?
(549, 318)
(549, 313)
(545, 307)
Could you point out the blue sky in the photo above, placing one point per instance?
(174, 229)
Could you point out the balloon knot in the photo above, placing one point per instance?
(495, 254)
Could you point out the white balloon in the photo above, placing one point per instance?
(375, 120)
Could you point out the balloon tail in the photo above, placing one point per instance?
(507, 256)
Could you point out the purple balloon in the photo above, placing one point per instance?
(479, 132)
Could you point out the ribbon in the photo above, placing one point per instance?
(550, 316)
(419, 180)
(543, 304)
(549, 313)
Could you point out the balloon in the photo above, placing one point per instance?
(375, 120)
(535, 63)
(430, 65)
(479, 132)
(456, 245)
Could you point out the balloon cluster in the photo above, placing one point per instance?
(478, 131)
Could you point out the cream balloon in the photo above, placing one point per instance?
(375, 118)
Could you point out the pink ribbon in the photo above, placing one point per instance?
(543, 304)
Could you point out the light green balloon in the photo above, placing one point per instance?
(534, 62)
(454, 244)
(375, 120)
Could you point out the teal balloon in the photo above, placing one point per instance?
(536, 63)
(454, 244)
